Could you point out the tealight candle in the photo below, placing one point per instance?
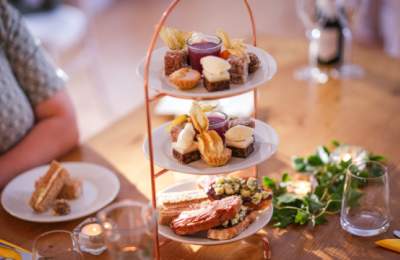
(93, 232)
(90, 236)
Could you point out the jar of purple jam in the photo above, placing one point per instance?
(201, 45)
(219, 122)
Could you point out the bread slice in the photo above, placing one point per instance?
(48, 187)
(231, 232)
(168, 214)
(181, 198)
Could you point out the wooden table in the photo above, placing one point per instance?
(363, 112)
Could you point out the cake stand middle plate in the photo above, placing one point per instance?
(266, 143)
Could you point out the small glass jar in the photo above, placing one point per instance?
(201, 45)
(89, 235)
(219, 122)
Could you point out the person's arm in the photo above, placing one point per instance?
(54, 133)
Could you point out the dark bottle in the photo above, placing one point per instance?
(331, 40)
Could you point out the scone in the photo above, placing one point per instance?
(185, 78)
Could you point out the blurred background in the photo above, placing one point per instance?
(99, 43)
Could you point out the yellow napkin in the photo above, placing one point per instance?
(392, 244)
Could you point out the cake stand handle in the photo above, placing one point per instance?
(149, 53)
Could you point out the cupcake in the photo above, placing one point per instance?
(216, 73)
(185, 78)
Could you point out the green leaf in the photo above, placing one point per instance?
(268, 182)
(323, 154)
(314, 160)
(283, 217)
(285, 177)
(376, 157)
(335, 143)
(320, 220)
(314, 204)
(299, 164)
(286, 198)
(301, 217)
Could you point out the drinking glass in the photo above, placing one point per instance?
(128, 230)
(56, 245)
(365, 203)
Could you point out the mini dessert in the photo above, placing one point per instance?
(239, 68)
(71, 190)
(176, 126)
(215, 72)
(219, 122)
(212, 149)
(240, 140)
(185, 150)
(246, 121)
(176, 57)
(199, 46)
(61, 208)
(48, 187)
(236, 55)
(254, 62)
(210, 144)
(185, 78)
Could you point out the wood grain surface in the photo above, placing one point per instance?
(365, 112)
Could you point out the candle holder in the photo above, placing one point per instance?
(89, 235)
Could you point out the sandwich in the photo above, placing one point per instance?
(173, 203)
(213, 215)
(223, 209)
(71, 190)
(48, 187)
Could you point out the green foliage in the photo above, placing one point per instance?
(326, 197)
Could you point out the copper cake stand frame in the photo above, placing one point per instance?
(149, 99)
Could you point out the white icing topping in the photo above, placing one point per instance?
(189, 149)
(239, 133)
(239, 144)
(186, 137)
(215, 68)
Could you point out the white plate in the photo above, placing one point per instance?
(159, 82)
(266, 143)
(254, 227)
(100, 187)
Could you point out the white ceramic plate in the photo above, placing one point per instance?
(266, 143)
(100, 187)
(159, 82)
(198, 239)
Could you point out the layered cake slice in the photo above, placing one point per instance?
(185, 149)
(240, 140)
(239, 70)
(216, 73)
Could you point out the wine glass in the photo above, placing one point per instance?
(128, 230)
(309, 13)
(57, 244)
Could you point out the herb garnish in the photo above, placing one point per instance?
(325, 199)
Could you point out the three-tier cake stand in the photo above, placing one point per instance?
(151, 97)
